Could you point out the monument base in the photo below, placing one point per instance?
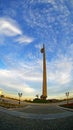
(38, 100)
(43, 97)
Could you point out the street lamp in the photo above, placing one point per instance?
(67, 95)
(20, 95)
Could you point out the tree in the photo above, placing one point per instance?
(37, 95)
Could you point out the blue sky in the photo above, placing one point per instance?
(24, 26)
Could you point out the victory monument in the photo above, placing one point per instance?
(44, 87)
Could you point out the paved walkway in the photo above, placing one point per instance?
(21, 120)
(36, 113)
(9, 122)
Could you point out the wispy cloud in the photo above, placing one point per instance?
(60, 70)
(24, 39)
(9, 27)
(47, 17)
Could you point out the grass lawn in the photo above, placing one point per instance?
(9, 105)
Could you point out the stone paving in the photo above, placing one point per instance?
(38, 112)
(19, 120)
(9, 122)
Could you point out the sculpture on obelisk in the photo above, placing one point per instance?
(44, 90)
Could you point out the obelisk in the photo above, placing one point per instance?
(44, 89)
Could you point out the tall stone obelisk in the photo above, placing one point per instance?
(44, 89)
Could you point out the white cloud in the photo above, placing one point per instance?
(59, 77)
(11, 79)
(24, 39)
(30, 71)
(28, 90)
(9, 27)
(59, 71)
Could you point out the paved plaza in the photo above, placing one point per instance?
(36, 117)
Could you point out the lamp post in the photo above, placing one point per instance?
(20, 95)
(67, 95)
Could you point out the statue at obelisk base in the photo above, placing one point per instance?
(44, 89)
